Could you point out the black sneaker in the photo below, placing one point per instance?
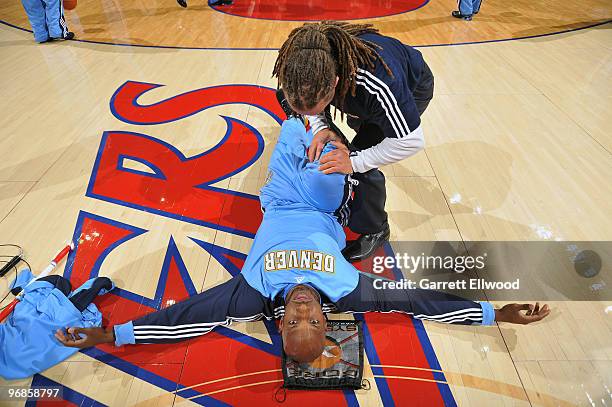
(182, 3)
(457, 14)
(69, 36)
(366, 245)
(221, 3)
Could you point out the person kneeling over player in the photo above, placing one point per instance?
(295, 271)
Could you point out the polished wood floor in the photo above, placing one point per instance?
(164, 23)
(519, 147)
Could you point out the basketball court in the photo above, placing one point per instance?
(518, 148)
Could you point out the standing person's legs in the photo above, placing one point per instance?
(476, 6)
(367, 210)
(368, 213)
(54, 12)
(35, 10)
(465, 7)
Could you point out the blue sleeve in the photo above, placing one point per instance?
(284, 165)
(293, 134)
(124, 334)
(488, 313)
(322, 191)
(293, 179)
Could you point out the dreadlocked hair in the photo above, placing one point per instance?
(315, 53)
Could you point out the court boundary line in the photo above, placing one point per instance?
(174, 47)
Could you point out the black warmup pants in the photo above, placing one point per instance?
(368, 213)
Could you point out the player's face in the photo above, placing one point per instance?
(303, 325)
(303, 310)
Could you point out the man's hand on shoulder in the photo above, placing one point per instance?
(337, 160)
(521, 313)
(318, 143)
(92, 337)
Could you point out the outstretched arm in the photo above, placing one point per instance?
(435, 305)
(231, 301)
(513, 313)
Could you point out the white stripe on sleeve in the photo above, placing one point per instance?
(387, 99)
